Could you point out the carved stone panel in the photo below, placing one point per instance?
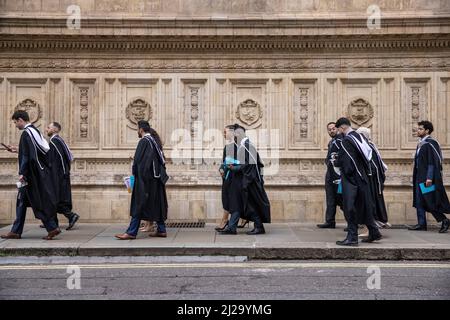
(441, 114)
(303, 124)
(84, 113)
(28, 94)
(138, 101)
(415, 103)
(249, 102)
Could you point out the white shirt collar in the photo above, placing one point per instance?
(26, 126)
(147, 134)
(424, 138)
(349, 130)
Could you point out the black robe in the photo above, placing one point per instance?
(35, 167)
(149, 199)
(247, 194)
(60, 159)
(355, 170)
(331, 176)
(377, 184)
(430, 155)
(230, 150)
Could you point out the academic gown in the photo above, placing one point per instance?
(34, 165)
(356, 192)
(247, 194)
(333, 147)
(149, 199)
(226, 181)
(60, 160)
(430, 154)
(377, 185)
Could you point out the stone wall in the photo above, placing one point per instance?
(281, 68)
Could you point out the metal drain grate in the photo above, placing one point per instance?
(186, 224)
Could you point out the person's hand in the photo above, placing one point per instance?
(429, 182)
(21, 178)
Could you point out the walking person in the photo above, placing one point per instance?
(332, 178)
(36, 186)
(149, 199)
(354, 163)
(428, 192)
(60, 158)
(247, 197)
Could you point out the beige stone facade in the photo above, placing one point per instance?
(283, 68)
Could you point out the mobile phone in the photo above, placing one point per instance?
(6, 147)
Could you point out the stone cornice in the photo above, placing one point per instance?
(304, 63)
(226, 44)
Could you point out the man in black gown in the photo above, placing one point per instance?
(333, 198)
(149, 199)
(429, 193)
(247, 198)
(354, 162)
(36, 188)
(60, 158)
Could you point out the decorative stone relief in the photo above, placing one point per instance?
(360, 111)
(304, 92)
(194, 110)
(138, 109)
(250, 113)
(84, 111)
(32, 107)
(415, 109)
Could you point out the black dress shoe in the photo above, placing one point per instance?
(228, 232)
(347, 242)
(327, 225)
(73, 219)
(418, 227)
(445, 226)
(256, 231)
(372, 238)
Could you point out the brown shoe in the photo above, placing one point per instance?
(124, 236)
(11, 235)
(52, 234)
(158, 235)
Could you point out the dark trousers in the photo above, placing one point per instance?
(21, 212)
(135, 222)
(234, 220)
(257, 220)
(421, 213)
(350, 195)
(331, 195)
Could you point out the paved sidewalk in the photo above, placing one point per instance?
(282, 241)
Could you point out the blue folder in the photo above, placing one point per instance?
(339, 190)
(424, 189)
(229, 160)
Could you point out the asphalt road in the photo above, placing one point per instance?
(146, 278)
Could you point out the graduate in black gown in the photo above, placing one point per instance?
(354, 162)
(428, 192)
(247, 198)
(36, 189)
(149, 199)
(377, 179)
(229, 155)
(332, 179)
(61, 158)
